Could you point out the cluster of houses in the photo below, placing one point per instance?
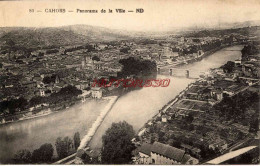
(206, 129)
(162, 154)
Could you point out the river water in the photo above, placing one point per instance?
(31, 134)
(136, 107)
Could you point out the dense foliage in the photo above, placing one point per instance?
(132, 66)
(48, 80)
(95, 58)
(237, 107)
(14, 105)
(228, 67)
(117, 145)
(63, 146)
(76, 139)
(43, 154)
(249, 50)
(23, 156)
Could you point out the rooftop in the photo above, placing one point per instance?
(168, 151)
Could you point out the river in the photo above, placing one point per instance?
(136, 107)
(31, 134)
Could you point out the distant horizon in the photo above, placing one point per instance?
(158, 16)
(169, 30)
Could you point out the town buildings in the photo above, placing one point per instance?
(161, 154)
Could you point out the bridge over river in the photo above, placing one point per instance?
(179, 72)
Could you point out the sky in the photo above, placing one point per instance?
(159, 15)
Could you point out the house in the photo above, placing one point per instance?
(145, 154)
(238, 62)
(241, 128)
(96, 92)
(164, 118)
(217, 94)
(234, 89)
(191, 150)
(218, 144)
(159, 153)
(42, 92)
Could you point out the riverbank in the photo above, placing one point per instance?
(171, 126)
(166, 107)
(180, 95)
(87, 138)
(198, 58)
(37, 113)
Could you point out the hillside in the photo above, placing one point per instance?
(215, 33)
(58, 36)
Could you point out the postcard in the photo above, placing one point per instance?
(164, 82)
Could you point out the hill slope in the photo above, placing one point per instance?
(58, 36)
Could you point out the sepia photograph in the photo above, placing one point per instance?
(129, 82)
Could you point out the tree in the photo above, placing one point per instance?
(43, 154)
(176, 144)
(254, 125)
(132, 66)
(13, 105)
(23, 156)
(36, 100)
(10, 43)
(228, 67)
(189, 118)
(161, 135)
(67, 93)
(83, 156)
(76, 139)
(95, 58)
(63, 146)
(117, 145)
(86, 159)
(48, 80)
(125, 50)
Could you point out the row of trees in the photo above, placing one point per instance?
(117, 148)
(44, 154)
(65, 146)
(88, 47)
(13, 105)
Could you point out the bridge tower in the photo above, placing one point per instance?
(187, 74)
